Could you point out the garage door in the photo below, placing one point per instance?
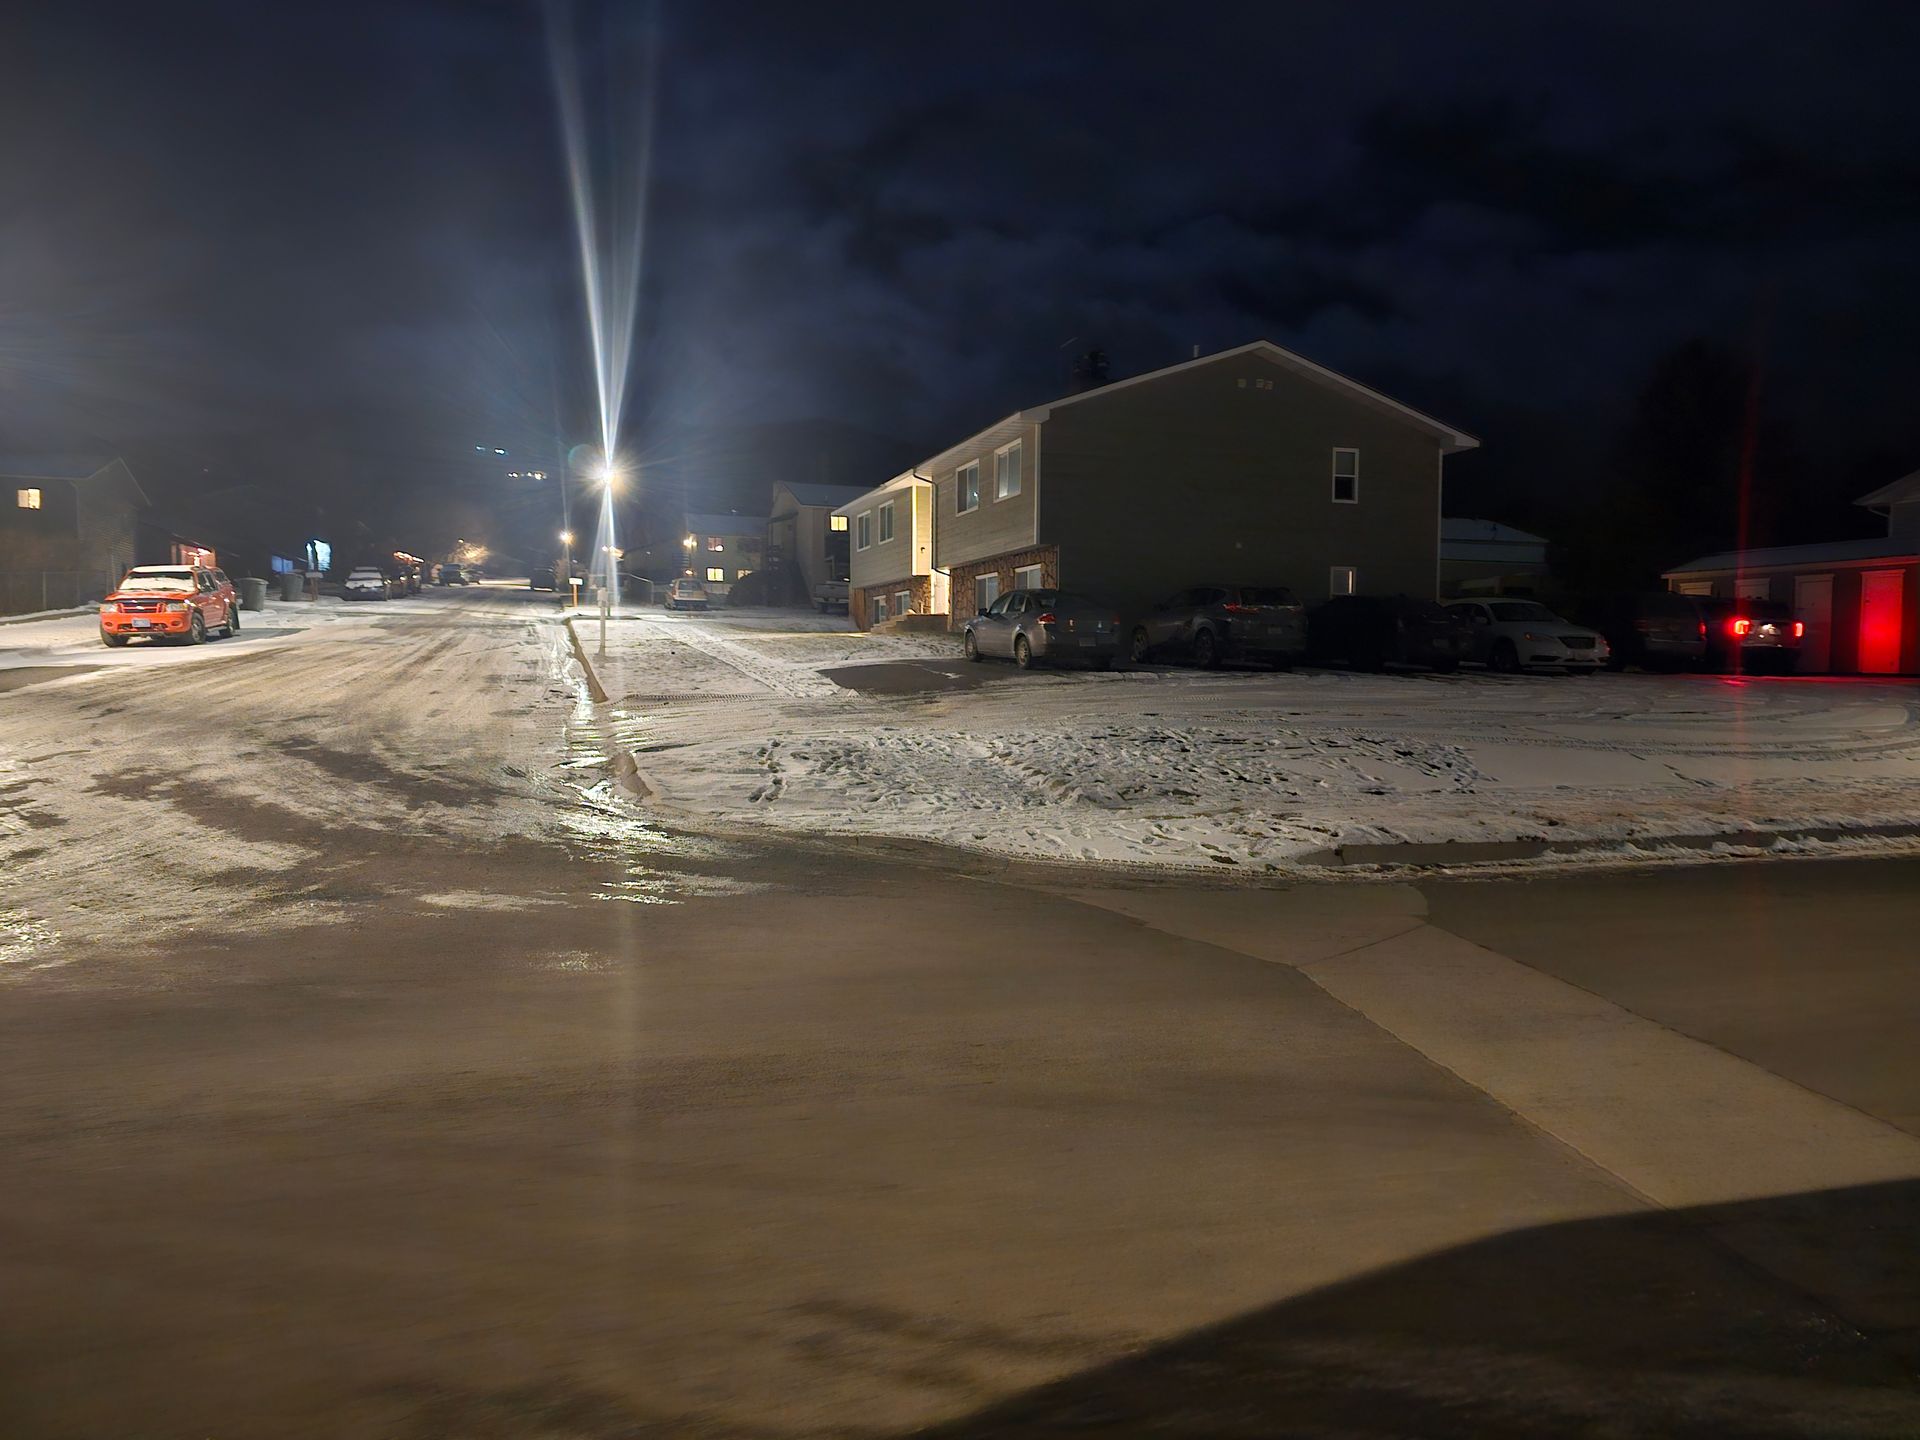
(1880, 593)
(1813, 607)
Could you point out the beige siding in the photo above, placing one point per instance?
(908, 553)
(997, 525)
(1196, 477)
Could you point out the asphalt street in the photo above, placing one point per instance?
(370, 1066)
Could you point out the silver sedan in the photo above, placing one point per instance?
(1031, 626)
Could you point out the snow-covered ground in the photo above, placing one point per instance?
(730, 718)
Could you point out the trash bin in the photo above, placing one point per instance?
(253, 593)
(293, 586)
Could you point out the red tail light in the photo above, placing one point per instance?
(1739, 626)
(1799, 628)
(1703, 629)
(1239, 609)
(1048, 618)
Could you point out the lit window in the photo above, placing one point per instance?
(1342, 580)
(28, 499)
(713, 543)
(716, 574)
(837, 522)
(967, 488)
(1006, 472)
(1346, 477)
(886, 522)
(863, 532)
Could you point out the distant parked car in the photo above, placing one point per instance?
(1513, 635)
(366, 583)
(452, 575)
(687, 594)
(1654, 629)
(1032, 626)
(1211, 623)
(542, 579)
(831, 595)
(1760, 637)
(1369, 632)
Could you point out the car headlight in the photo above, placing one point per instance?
(176, 607)
(108, 609)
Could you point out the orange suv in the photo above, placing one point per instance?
(176, 602)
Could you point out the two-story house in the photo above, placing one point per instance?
(1253, 465)
(720, 549)
(67, 528)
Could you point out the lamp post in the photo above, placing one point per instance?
(566, 539)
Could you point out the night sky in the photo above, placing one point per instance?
(327, 248)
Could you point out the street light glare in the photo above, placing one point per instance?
(566, 537)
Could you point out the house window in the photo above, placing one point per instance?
(1029, 577)
(863, 532)
(966, 494)
(1342, 580)
(1006, 472)
(902, 602)
(716, 574)
(837, 522)
(28, 499)
(713, 543)
(886, 522)
(1346, 476)
(986, 590)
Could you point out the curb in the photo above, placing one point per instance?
(47, 615)
(1425, 855)
(594, 687)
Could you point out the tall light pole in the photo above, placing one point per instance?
(566, 539)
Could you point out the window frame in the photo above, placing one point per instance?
(903, 602)
(886, 526)
(863, 530)
(1039, 571)
(29, 497)
(1352, 572)
(1337, 477)
(960, 477)
(1012, 448)
(992, 577)
(716, 575)
(839, 524)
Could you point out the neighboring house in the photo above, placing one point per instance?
(67, 529)
(1251, 466)
(804, 536)
(1484, 557)
(720, 549)
(1859, 599)
(892, 571)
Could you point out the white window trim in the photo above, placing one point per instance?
(1352, 573)
(886, 529)
(980, 580)
(1019, 478)
(1039, 572)
(1333, 487)
(863, 531)
(960, 488)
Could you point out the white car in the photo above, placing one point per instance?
(366, 583)
(1514, 635)
(687, 595)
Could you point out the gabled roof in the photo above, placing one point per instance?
(72, 466)
(726, 524)
(1904, 491)
(1782, 557)
(822, 495)
(902, 481)
(1487, 532)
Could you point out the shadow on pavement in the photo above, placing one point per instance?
(1626, 1326)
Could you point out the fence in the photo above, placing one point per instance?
(24, 591)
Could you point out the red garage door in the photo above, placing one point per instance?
(1880, 594)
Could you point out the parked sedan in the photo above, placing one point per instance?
(1513, 635)
(542, 579)
(1211, 623)
(366, 583)
(1369, 632)
(687, 594)
(1032, 626)
(1760, 637)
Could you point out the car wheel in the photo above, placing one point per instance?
(1139, 649)
(1504, 657)
(116, 641)
(1206, 650)
(971, 646)
(196, 630)
(1022, 652)
(233, 619)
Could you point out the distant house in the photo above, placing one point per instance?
(67, 529)
(1859, 599)
(1482, 556)
(720, 549)
(804, 536)
(1253, 465)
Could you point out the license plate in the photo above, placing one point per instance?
(142, 624)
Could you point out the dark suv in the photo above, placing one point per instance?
(1211, 623)
(1759, 637)
(1654, 629)
(1371, 631)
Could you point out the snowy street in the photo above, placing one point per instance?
(793, 723)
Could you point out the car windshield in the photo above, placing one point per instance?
(1521, 610)
(159, 580)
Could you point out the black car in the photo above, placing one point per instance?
(1372, 631)
(541, 579)
(1654, 629)
(1757, 637)
(1211, 623)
